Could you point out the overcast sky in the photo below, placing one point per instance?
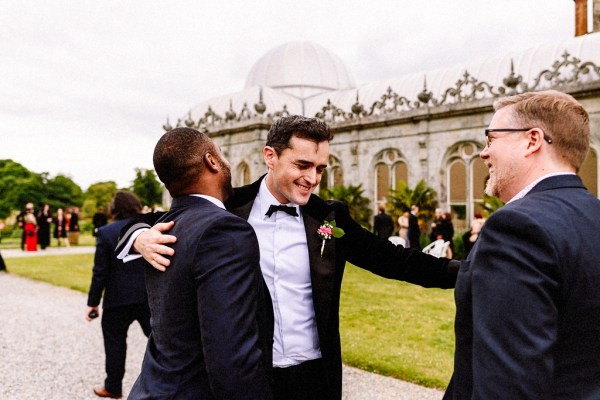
(85, 86)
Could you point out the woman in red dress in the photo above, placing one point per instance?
(30, 232)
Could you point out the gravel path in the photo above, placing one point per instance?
(49, 351)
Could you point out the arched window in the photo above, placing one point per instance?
(242, 174)
(390, 167)
(465, 182)
(333, 175)
(589, 172)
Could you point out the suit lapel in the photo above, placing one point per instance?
(322, 267)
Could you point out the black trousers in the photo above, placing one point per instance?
(115, 324)
(306, 381)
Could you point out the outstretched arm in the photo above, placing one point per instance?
(368, 251)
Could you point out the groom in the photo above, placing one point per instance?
(303, 272)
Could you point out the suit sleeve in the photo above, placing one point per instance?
(138, 222)
(101, 270)
(380, 256)
(515, 284)
(229, 280)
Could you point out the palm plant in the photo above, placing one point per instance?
(403, 197)
(358, 205)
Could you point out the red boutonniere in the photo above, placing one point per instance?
(329, 230)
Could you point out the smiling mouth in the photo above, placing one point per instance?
(303, 188)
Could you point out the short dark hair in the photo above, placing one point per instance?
(124, 205)
(284, 128)
(178, 158)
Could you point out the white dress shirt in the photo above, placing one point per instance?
(286, 269)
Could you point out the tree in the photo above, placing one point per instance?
(18, 186)
(146, 187)
(98, 195)
(62, 192)
(490, 204)
(359, 205)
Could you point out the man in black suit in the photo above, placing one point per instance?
(527, 299)
(414, 231)
(211, 329)
(125, 299)
(383, 225)
(303, 271)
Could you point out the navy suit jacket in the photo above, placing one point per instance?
(361, 248)
(122, 285)
(209, 339)
(528, 300)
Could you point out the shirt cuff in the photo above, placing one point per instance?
(125, 253)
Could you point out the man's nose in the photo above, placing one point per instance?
(311, 176)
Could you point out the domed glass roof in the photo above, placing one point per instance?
(301, 69)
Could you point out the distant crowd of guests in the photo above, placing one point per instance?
(409, 232)
(64, 226)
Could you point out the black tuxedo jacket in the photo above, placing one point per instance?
(209, 338)
(361, 248)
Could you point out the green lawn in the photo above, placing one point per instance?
(72, 271)
(14, 241)
(397, 329)
(388, 327)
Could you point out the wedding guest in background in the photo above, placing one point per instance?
(44, 219)
(74, 226)
(30, 229)
(470, 237)
(414, 231)
(383, 225)
(100, 219)
(21, 222)
(403, 225)
(2, 264)
(60, 228)
(125, 300)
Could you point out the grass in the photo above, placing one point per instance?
(387, 327)
(397, 329)
(14, 242)
(71, 271)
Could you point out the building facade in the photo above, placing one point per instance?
(427, 126)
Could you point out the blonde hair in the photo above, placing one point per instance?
(559, 115)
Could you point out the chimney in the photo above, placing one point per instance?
(596, 16)
(581, 17)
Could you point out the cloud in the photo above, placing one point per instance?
(85, 86)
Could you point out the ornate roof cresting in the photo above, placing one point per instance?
(567, 70)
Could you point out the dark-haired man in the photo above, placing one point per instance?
(303, 271)
(211, 332)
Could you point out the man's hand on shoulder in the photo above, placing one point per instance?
(152, 245)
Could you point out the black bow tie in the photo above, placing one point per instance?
(288, 209)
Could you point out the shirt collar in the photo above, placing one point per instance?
(265, 199)
(528, 188)
(213, 200)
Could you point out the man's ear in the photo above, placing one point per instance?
(270, 156)
(211, 163)
(536, 137)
